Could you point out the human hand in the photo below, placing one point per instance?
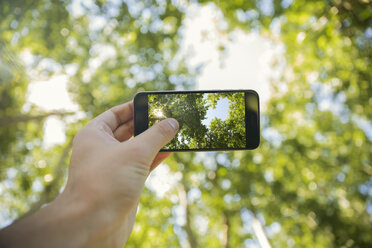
(108, 170)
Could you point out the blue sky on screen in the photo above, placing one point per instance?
(221, 111)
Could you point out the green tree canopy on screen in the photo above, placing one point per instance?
(192, 109)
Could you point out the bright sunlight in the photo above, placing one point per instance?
(159, 113)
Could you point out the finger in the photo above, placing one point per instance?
(158, 159)
(114, 117)
(154, 138)
(125, 131)
(123, 112)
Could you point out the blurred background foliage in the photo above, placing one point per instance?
(309, 184)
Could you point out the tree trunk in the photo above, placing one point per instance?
(182, 193)
(259, 232)
(226, 230)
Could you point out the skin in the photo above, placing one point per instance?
(106, 177)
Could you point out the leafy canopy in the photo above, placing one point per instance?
(308, 183)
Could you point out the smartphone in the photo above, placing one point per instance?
(212, 120)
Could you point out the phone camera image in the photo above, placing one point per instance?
(206, 120)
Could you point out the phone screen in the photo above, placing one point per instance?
(207, 120)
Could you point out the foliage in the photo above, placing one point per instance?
(189, 109)
(309, 183)
(229, 133)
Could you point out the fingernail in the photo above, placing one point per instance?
(173, 123)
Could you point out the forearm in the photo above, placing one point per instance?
(63, 223)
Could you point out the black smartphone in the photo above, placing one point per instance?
(211, 120)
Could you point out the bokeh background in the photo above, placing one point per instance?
(309, 184)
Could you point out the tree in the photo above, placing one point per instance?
(308, 183)
(229, 133)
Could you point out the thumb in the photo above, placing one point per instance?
(157, 136)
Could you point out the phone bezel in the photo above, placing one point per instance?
(252, 127)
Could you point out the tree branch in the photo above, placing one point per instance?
(10, 120)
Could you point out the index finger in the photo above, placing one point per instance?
(116, 116)
(123, 112)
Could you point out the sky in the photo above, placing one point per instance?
(221, 111)
(245, 64)
(52, 95)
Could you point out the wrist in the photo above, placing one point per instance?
(93, 222)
